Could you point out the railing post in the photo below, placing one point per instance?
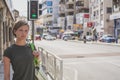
(53, 64)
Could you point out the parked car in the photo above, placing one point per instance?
(50, 37)
(107, 38)
(67, 37)
(89, 38)
(45, 34)
(37, 37)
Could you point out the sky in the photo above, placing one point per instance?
(21, 6)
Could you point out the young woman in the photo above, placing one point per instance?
(20, 55)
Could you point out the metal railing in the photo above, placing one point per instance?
(52, 65)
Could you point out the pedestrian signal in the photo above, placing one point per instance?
(33, 12)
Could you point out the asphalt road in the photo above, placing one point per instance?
(86, 61)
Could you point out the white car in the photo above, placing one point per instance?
(89, 38)
(50, 37)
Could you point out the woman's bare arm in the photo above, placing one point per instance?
(6, 61)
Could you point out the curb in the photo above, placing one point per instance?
(100, 43)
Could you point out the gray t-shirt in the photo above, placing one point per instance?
(21, 58)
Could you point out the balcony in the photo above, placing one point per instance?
(62, 15)
(46, 14)
(61, 9)
(70, 13)
(62, 2)
(69, 8)
(70, 2)
(49, 19)
(61, 12)
(43, 1)
(82, 10)
(79, 3)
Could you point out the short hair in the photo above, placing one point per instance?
(19, 24)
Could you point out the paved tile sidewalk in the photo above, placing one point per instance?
(1, 71)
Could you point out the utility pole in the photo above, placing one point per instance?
(33, 31)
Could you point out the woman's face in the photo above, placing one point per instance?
(22, 32)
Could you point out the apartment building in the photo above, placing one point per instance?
(66, 14)
(47, 11)
(61, 12)
(82, 17)
(50, 15)
(69, 10)
(100, 11)
(115, 16)
(91, 17)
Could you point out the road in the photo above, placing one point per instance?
(86, 61)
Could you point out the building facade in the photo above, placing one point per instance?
(66, 14)
(100, 10)
(82, 17)
(72, 15)
(88, 16)
(6, 24)
(115, 16)
(49, 15)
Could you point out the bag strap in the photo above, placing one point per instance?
(36, 61)
(32, 46)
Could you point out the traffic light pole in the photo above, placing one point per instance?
(33, 31)
(33, 14)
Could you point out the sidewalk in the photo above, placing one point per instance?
(94, 42)
(114, 44)
(1, 71)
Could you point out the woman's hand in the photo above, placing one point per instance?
(36, 57)
(36, 53)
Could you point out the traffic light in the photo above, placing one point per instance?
(33, 10)
(40, 11)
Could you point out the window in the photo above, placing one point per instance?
(80, 3)
(10, 34)
(109, 10)
(49, 3)
(49, 10)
